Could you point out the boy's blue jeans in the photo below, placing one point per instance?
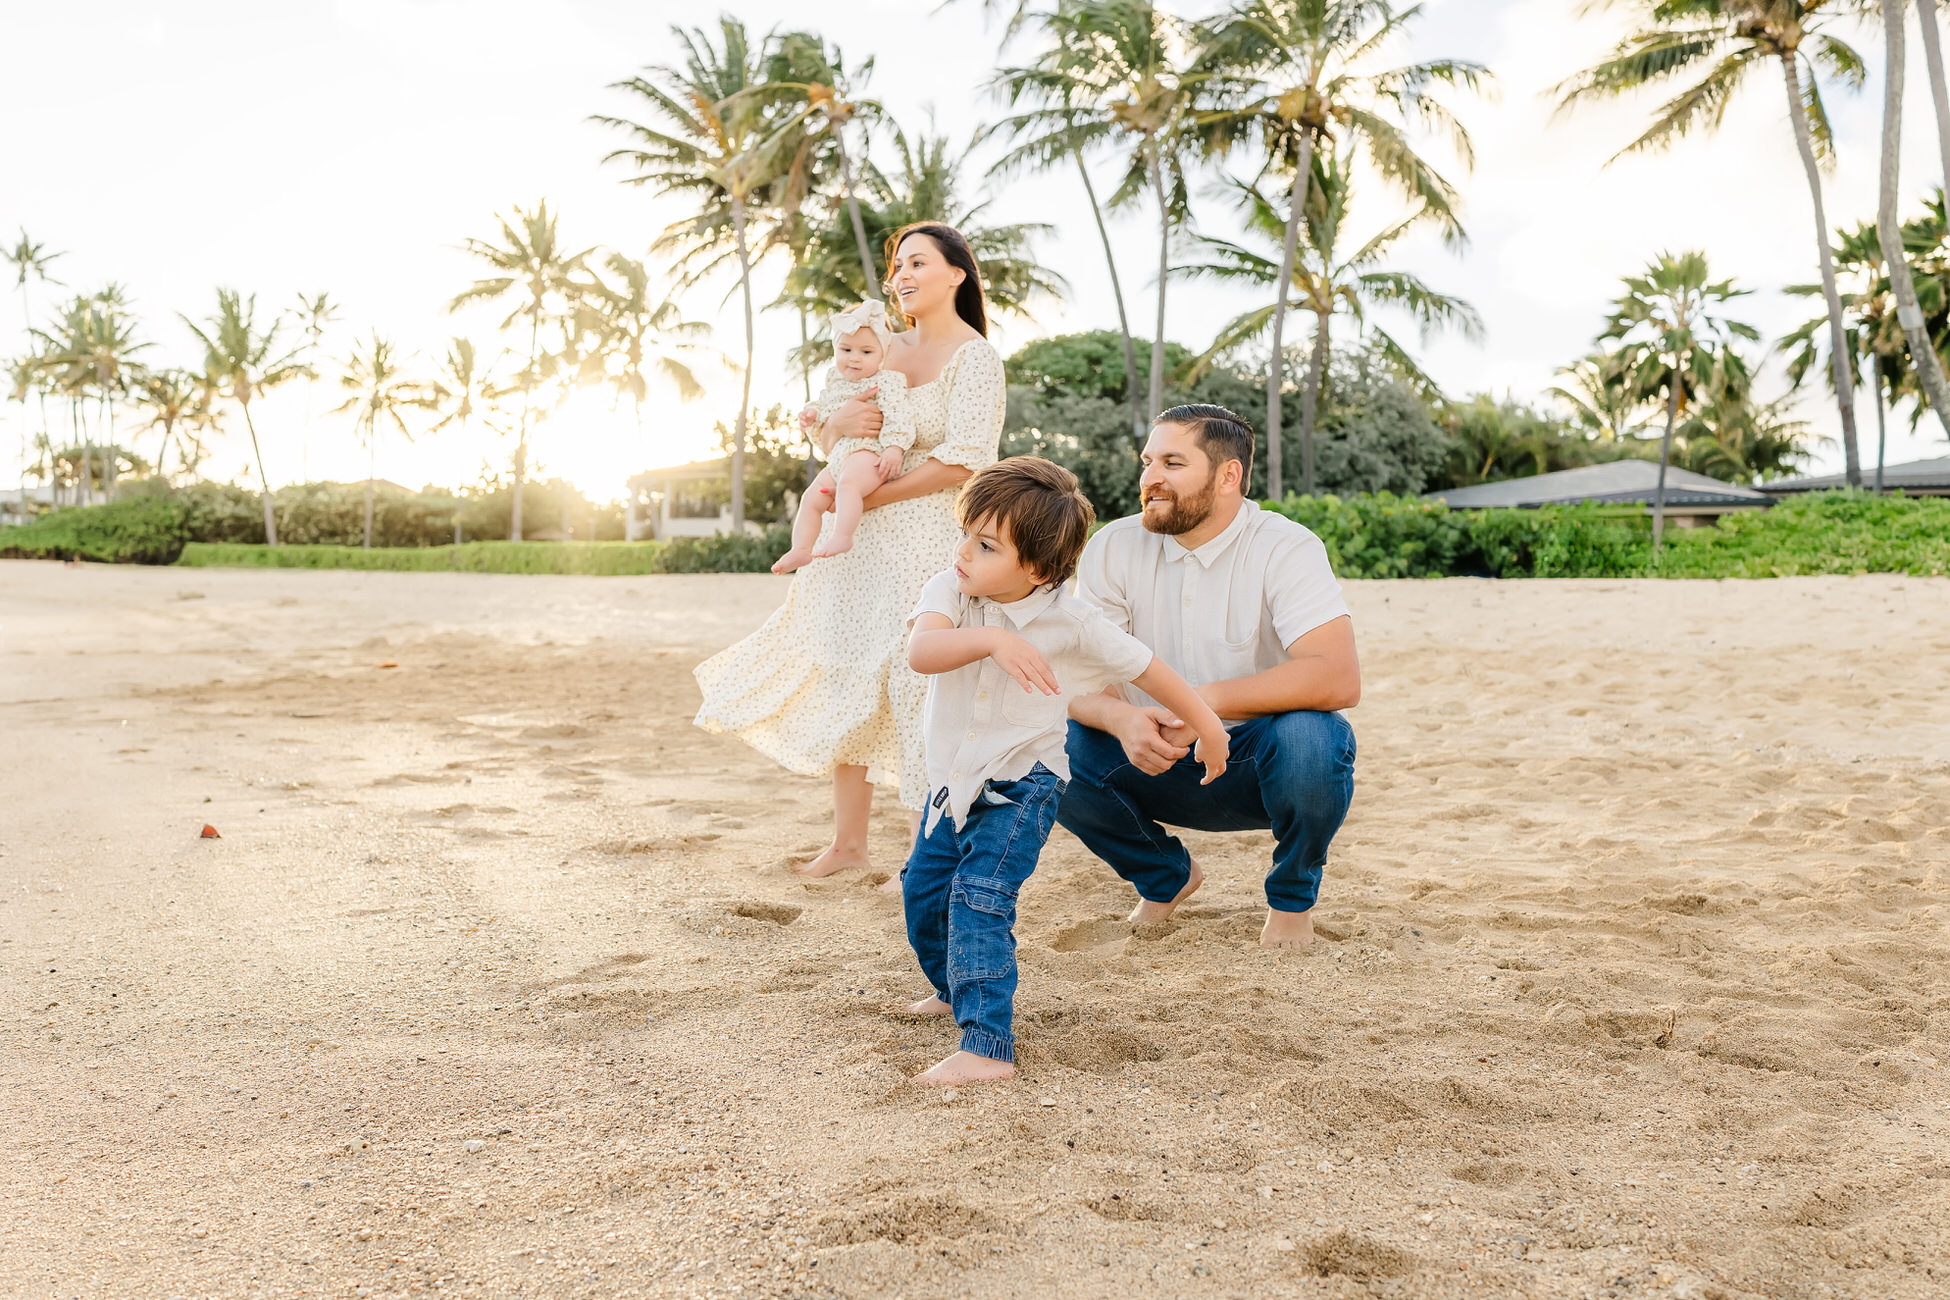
(959, 888)
(1290, 773)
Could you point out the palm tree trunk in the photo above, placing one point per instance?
(1309, 403)
(372, 469)
(1837, 344)
(1882, 432)
(745, 396)
(1156, 392)
(1889, 233)
(1665, 458)
(1933, 58)
(108, 451)
(1276, 365)
(1117, 294)
(263, 480)
(853, 213)
(527, 409)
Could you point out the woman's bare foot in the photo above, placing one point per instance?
(930, 1006)
(1147, 912)
(835, 859)
(1287, 929)
(835, 545)
(796, 558)
(965, 1067)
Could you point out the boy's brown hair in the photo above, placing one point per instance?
(1048, 518)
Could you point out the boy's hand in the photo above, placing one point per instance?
(1213, 753)
(1023, 661)
(890, 463)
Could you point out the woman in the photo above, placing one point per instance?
(824, 687)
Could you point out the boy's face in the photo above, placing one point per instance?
(986, 563)
(858, 354)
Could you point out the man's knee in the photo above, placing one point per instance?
(1093, 755)
(1309, 750)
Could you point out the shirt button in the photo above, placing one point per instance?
(971, 735)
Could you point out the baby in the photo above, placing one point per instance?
(855, 466)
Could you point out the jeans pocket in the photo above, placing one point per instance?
(981, 944)
(991, 897)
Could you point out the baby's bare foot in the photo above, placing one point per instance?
(796, 558)
(835, 859)
(1287, 929)
(1148, 912)
(835, 545)
(965, 1067)
(929, 1006)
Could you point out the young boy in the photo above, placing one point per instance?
(1008, 648)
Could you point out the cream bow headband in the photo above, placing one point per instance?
(869, 315)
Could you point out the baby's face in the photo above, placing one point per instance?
(858, 354)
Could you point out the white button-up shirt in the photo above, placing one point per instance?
(1226, 610)
(982, 725)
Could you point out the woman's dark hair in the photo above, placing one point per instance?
(1221, 435)
(969, 304)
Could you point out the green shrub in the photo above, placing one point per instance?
(137, 530)
(1820, 532)
(724, 554)
(600, 558)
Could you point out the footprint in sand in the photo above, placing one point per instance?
(1086, 935)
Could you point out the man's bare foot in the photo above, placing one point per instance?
(796, 558)
(835, 859)
(930, 1006)
(1147, 912)
(836, 545)
(1287, 929)
(965, 1067)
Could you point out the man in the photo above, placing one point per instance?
(1242, 602)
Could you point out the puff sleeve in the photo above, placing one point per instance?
(897, 415)
(977, 395)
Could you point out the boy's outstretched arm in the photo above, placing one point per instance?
(1175, 693)
(938, 646)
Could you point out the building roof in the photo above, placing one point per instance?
(1919, 476)
(1618, 482)
(697, 469)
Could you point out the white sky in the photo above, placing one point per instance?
(349, 147)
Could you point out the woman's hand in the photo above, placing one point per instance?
(858, 417)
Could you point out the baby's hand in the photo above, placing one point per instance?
(1213, 753)
(808, 418)
(890, 463)
(1024, 662)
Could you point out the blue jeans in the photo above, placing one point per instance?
(959, 888)
(1290, 773)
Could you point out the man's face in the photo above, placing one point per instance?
(1179, 483)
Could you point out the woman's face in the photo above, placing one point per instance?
(922, 279)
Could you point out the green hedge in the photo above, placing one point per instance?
(138, 530)
(1829, 532)
(683, 555)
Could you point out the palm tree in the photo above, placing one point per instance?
(243, 361)
(643, 334)
(1939, 98)
(463, 388)
(1325, 280)
(1669, 309)
(1134, 93)
(1874, 339)
(30, 261)
(379, 393)
(314, 314)
(1732, 38)
(925, 187)
(703, 144)
(546, 284)
(1286, 75)
(94, 355)
(1929, 371)
(1602, 391)
(172, 398)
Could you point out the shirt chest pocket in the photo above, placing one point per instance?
(1022, 708)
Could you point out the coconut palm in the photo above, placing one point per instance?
(1933, 61)
(1324, 280)
(171, 398)
(1875, 340)
(244, 360)
(1602, 391)
(30, 261)
(1670, 309)
(379, 393)
(1135, 95)
(1929, 371)
(92, 353)
(546, 283)
(314, 314)
(702, 144)
(1729, 39)
(926, 186)
(1287, 78)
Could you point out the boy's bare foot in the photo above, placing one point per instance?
(930, 1006)
(1287, 929)
(836, 545)
(1148, 912)
(835, 859)
(965, 1067)
(796, 558)
(891, 885)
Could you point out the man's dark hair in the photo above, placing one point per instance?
(1038, 501)
(1221, 435)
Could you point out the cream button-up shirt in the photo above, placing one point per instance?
(1226, 610)
(982, 725)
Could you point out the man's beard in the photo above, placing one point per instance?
(1182, 515)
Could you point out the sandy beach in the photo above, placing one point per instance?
(1633, 977)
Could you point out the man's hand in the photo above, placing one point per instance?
(1023, 661)
(1145, 734)
(1179, 732)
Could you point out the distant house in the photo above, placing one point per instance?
(683, 501)
(1917, 478)
(1690, 498)
(19, 505)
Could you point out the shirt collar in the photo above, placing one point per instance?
(1023, 612)
(1212, 550)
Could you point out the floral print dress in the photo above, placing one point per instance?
(825, 681)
